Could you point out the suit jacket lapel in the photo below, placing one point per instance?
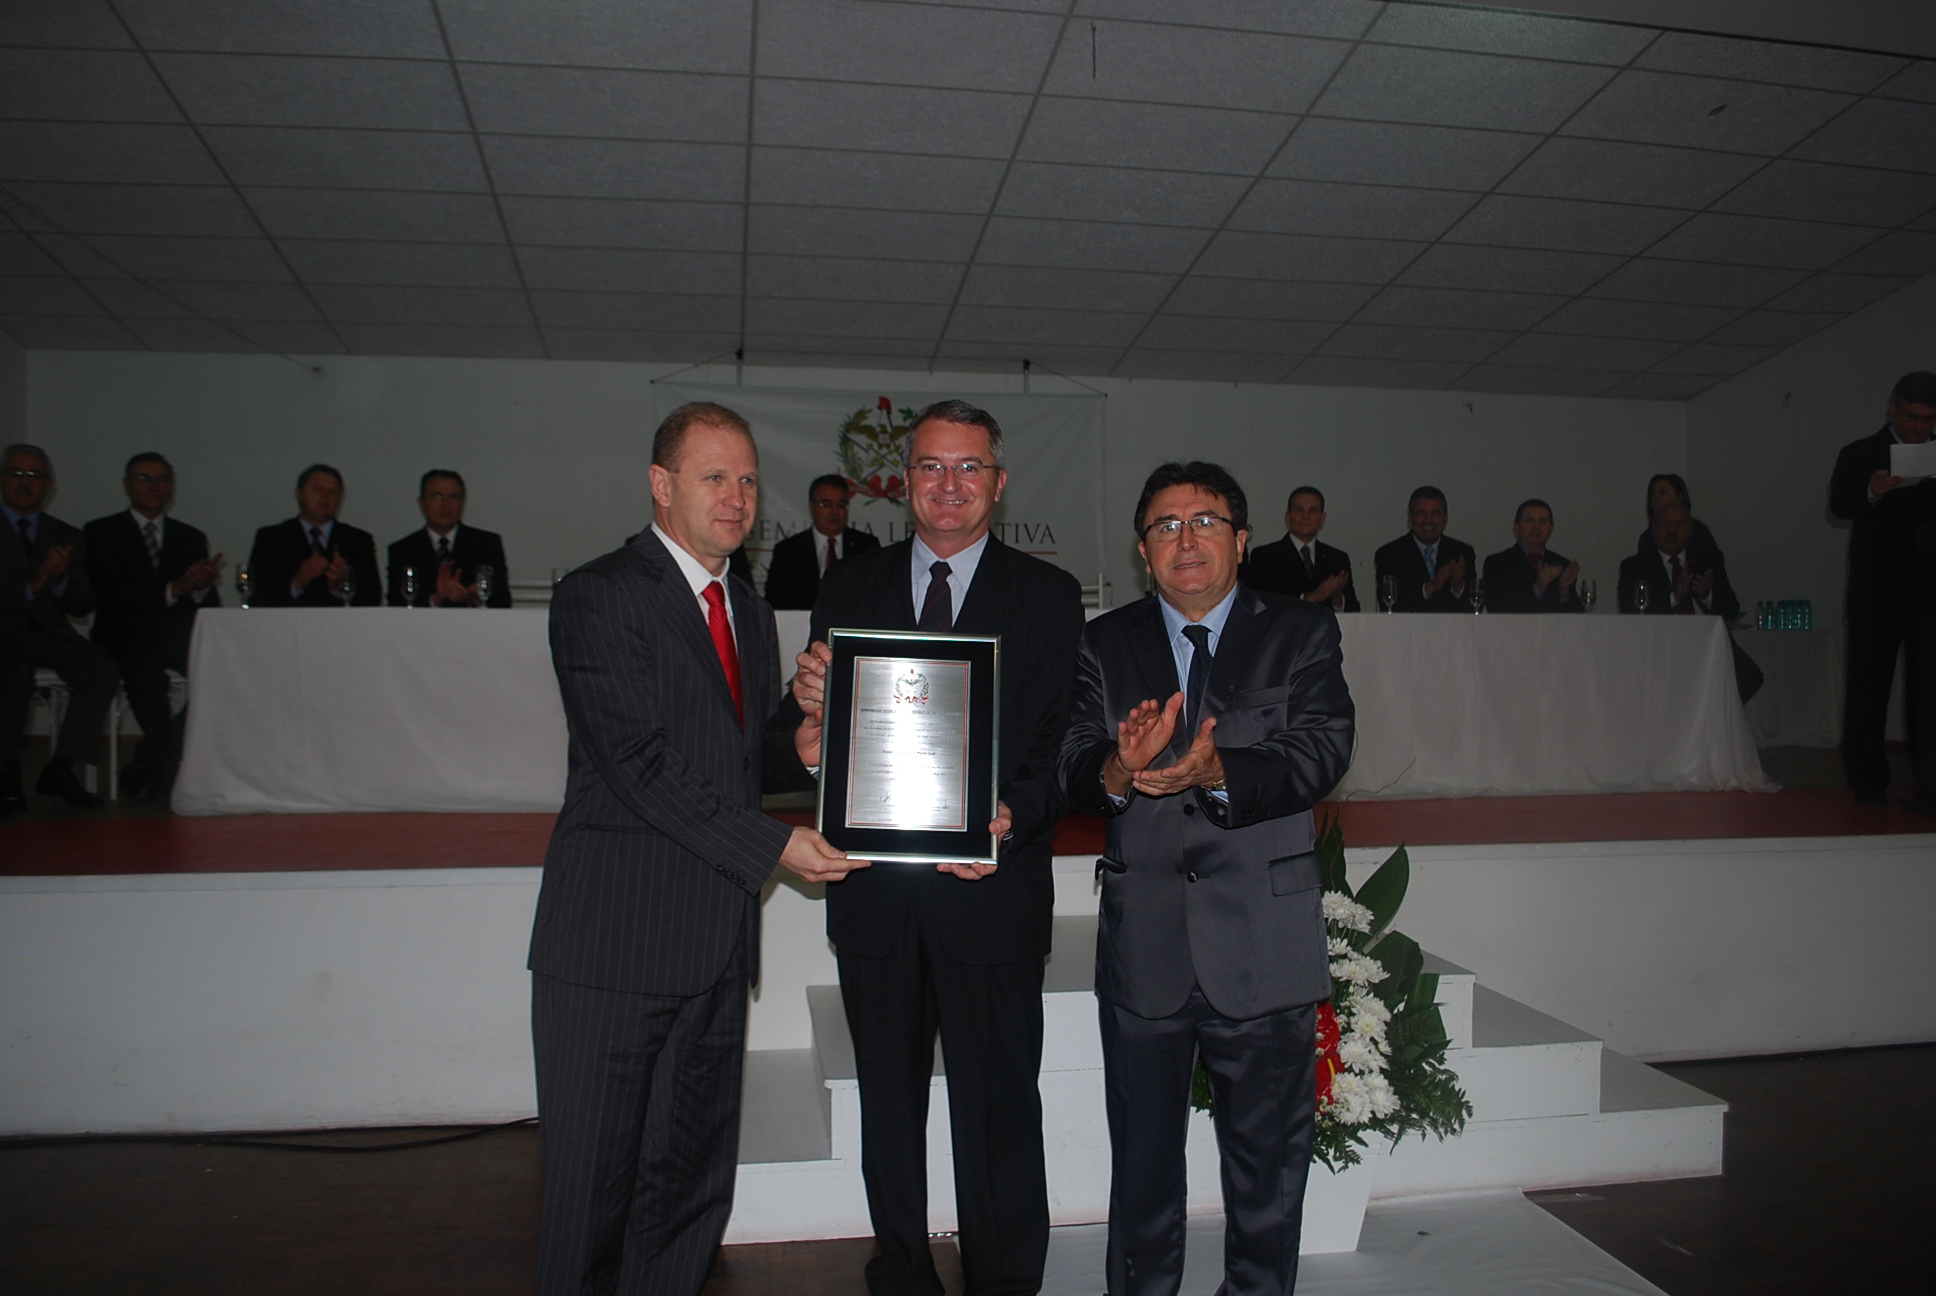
(894, 592)
(681, 613)
(1241, 633)
(1150, 644)
(981, 611)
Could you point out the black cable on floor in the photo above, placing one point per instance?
(255, 1140)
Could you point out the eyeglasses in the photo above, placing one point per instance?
(27, 474)
(1204, 526)
(149, 479)
(971, 471)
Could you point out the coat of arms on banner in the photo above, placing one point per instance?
(871, 446)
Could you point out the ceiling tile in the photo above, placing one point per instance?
(260, 90)
(622, 223)
(377, 28)
(1504, 220)
(20, 255)
(636, 345)
(130, 299)
(443, 340)
(1202, 333)
(45, 295)
(1843, 293)
(374, 214)
(193, 258)
(1917, 81)
(667, 312)
(1111, 194)
(1364, 211)
(1710, 358)
(1599, 317)
(1771, 61)
(187, 335)
(1879, 133)
(859, 232)
(76, 24)
(669, 35)
(1449, 88)
(1814, 191)
(1507, 269)
(967, 49)
(1360, 371)
(1203, 366)
(1772, 328)
(78, 256)
(1756, 240)
(103, 153)
(81, 85)
(1093, 290)
(567, 168)
(456, 265)
(347, 159)
(498, 307)
(133, 209)
(1266, 299)
(1604, 171)
(1525, 35)
(1161, 136)
(760, 346)
(1905, 252)
(1533, 381)
(835, 319)
(1442, 157)
(1459, 308)
(599, 269)
(851, 360)
(841, 279)
(603, 102)
(1704, 113)
(889, 181)
(1341, 19)
(1693, 284)
(836, 115)
(1234, 254)
(250, 301)
(999, 356)
(1656, 386)
(1184, 65)
(1570, 351)
(1397, 342)
(290, 337)
(1090, 245)
(69, 333)
(1017, 327)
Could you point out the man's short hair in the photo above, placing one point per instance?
(146, 456)
(1425, 492)
(423, 484)
(1519, 514)
(955, 411)
(1680, 489)
(302, 478)
(23, 448)
(1689, 513)
(828, 479)
(1214, 478)
(1917, 388)
(670, 439)
(1304, 490)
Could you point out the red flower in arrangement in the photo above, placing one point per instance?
(874, 484)
(894, 486)
(886, 405)
(1329, 1063)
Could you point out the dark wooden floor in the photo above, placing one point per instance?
(1827, 1189)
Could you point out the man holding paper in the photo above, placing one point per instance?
(956, 948)
(1873, 489)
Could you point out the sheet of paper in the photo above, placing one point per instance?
(1913, 462)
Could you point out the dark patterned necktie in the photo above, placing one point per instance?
(151, 533)
(832, 556)
(1199, 637)
(1310, 568)
(443, 550)
(27, 536)
(315, 540)
(938, 610)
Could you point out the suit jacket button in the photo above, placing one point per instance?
(1191, 876)
(1189, 807)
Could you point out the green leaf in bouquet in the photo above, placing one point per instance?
(1402, 960)
(1330, 852)
(1384, 891)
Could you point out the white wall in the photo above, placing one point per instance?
(555, 452)
(1761, 445)
(13, 392)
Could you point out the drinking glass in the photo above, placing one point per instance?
(243, 585)
(348, 587)
(1641, 593)
(486, 574)
(410, 587)
(1477, 594)
(1388, 592)
(1589, 593)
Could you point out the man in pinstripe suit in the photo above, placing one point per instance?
(647, 932)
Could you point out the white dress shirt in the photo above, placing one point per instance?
(961, 571)
(820, 542)
(699, 578)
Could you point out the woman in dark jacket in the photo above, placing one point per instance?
(1668, 488)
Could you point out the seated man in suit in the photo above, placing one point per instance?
(305, 561)
(43, 582)
(1529, 577)
(1430, 568)
(1680, 580)
(793, 581)
(151, 574)
(446, 554)
(1298, 564)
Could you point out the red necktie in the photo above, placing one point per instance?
(723, 643)
(832, 557)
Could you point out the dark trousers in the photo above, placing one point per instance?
(638, 1107)
(990, 1021)
(1873, 645)
(1263, 1083)
(91, 680)
(1920, 677)
(144, 661)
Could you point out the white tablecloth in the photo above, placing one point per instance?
(1800, 704)
(306, 710)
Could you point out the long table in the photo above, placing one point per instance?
(307, 710)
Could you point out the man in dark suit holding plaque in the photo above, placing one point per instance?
(647, 933)
(1432, 570)
(957, 948)
(800, 561)
(1208, 721)
(1300, 564)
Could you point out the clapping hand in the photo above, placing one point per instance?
(199, 576)
(451, 589)
(1330, 587)
(1200, 766)
(1142, 736)
(338, 564)
(53, 567)
(1701, 583)
(1451, 572)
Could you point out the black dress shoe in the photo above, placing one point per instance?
(13, 802)
(1927, 809)
(1874, 800)
(135, 777)
(58, 780)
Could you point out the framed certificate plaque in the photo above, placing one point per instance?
(910, 745)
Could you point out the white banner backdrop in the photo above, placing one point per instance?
(1052, 507)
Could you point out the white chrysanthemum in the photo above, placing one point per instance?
(1358, 970)
(1351, 1100)
(1337, 945)
(1359, 1054)
(1380, 1096)
(1346, 912)
(1366, 1010)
